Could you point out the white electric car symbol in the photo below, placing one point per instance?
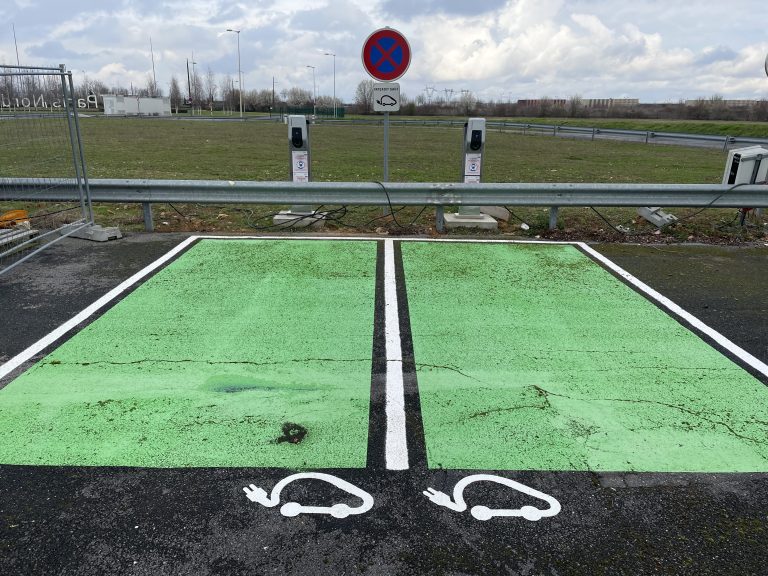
(483, 512)
(258, 495)
(386, 100)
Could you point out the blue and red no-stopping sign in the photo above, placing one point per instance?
(386, 54)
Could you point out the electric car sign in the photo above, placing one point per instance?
(386, 55)
(386, 97)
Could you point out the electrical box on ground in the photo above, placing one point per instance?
(300, 168)
(471, 172)
(746, 166)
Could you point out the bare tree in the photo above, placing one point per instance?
(364, 96)
(575, 106)
(467, 102)
(152, 89)
(210, 88)
(227, 89)
(298, 97)
(175, 94)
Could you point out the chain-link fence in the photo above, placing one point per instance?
(40, 150)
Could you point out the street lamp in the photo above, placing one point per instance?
(239, 72)
(314, 92)
(334, 81)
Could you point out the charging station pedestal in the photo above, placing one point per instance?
(299, 161)
(471, 170)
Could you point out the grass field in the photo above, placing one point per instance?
(257, 150)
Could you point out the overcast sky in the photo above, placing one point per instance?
(657, 51)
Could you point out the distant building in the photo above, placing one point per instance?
(585, 102)
(726, 103)
(122, 105)
(609, 102)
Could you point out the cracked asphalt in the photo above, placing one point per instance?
(118, 520)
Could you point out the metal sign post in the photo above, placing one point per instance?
(386, 56)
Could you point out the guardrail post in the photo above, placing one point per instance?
(725, 144)
(149, 225)
(647, 137)
(553, 210)
(439, 219)
(593, 133)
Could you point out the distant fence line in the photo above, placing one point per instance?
(647, 136)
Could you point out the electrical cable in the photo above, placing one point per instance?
(681, 219)
(44, 214)
(177, 211)
(389, 203)
(516, 216)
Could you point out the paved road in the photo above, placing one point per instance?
(121, 520)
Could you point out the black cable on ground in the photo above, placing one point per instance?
(511, 213)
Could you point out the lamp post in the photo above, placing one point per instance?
(239, 71)
(334, 81)
(314, 92)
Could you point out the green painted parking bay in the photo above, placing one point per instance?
(204, 364)
(535, 357)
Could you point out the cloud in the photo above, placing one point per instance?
(654, 50)
(407, 9)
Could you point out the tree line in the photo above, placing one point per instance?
(209, 92)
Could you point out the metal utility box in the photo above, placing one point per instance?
(746, 166)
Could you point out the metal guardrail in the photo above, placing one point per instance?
(149, 192)
(411, 193)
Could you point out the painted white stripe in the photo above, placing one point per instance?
(737, 351)
(378, 238)
(52, 337)
(396, 450)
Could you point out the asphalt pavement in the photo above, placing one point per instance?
(118, 520)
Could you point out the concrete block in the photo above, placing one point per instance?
(288, 219)
(498, 212)
(483, 221)
(94, 232)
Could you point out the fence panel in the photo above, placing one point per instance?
(40, 141)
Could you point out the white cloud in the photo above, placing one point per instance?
(654, 50)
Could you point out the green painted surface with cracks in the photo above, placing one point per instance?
(534, 357)
(202, 365)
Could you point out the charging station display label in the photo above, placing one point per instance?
(472, 168)
(300, 165)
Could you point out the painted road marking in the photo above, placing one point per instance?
(555, 364)
(396, 444)
(737, 351)
(569, 437)
(89, 311)
(203, 365)
(290, 509)
(458, 504)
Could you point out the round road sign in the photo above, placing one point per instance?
(386, 54)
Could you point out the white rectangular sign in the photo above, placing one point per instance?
(386, 97)
(300, 159)
(472, 168)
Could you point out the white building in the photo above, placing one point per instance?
(120, 105)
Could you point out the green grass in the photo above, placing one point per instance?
(133, 148)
